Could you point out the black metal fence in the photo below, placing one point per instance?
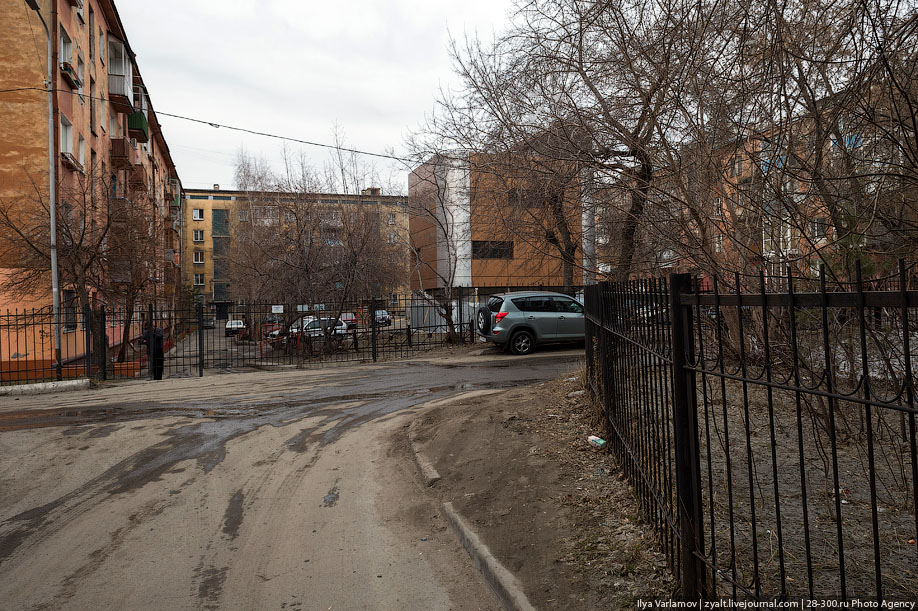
(768, 429)
(115, 342)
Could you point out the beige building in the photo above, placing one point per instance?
(213, 219)
(117, 191)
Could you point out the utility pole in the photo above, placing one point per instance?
(55, 287)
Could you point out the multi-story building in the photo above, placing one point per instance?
(117, 192)
(477, 223)
(219, 226)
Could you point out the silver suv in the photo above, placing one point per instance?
(520, 321)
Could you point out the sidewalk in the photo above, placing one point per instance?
(552, 510)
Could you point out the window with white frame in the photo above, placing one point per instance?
(819, 228)
(101, 45)
(390, 219)
(719, 242)
(393, 238)
(81, 150)
(66, 135)
(199, 279)
(81, 69)
(199, 257)
(66, 49)
(197, 214)
(243, 215)
(197, 235)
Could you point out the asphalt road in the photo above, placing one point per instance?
(266, 490)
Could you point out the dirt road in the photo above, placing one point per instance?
(263, 490)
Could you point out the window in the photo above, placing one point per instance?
(68, 311)
(243, 216)
(719, 242)
(66, 135)
(66, 49)
(199, 279)
(393, 238)
(492, 250)
(92, 34)
(718, 208)
(81, 69)
(219, 222)
(534, 304)
(197, 214)
(563, 304)
(92, 106)
(736, 167)
(289, 217)
(197, 235)
(390, 219)
(101, 45)
(199, 257)
(819, 228)
(81, 150)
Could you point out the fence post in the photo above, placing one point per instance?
(461, 337)
(200, 312)
(685, 430)
(150, 328)
(373, 326)
(87, 339)
(103, 350)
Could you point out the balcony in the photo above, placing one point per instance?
(119, 270)
(119, 209)
(138, 177)
(138, 127)
(70, 162)
(123, 154)
(120, 92)
(70, 76)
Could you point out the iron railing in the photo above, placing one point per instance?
(768, 429)
(197, 338)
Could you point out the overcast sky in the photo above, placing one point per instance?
(295, 68)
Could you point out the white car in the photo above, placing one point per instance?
(234, 327)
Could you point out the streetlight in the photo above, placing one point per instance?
(55, 287)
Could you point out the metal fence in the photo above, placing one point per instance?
(768, 429)
(115, 342)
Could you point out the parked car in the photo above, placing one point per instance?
(271, 323)
(520, 321)
(315, 330)
(210, 322)
(234, 327)
(383, 318)
(349, 319)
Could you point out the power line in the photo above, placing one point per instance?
(233, 128)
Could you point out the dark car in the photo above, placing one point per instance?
(210, 322)
(522, 320)
(383, 318)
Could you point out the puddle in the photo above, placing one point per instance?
(332, 497)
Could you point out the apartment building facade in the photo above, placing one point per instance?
(472, 226)
(118, 193)
(218, 228)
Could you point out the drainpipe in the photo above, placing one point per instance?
(52, 164)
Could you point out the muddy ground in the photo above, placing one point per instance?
(553, 509)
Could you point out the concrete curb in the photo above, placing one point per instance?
(506, 586)
(428, 472)
(44, 388)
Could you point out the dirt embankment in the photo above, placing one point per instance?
(554, 510)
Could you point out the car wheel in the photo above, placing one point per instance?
(483, 320)
(522, 342)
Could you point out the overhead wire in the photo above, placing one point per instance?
(234, 128)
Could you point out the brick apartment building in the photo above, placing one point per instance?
(114, 175)
(213, 219)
